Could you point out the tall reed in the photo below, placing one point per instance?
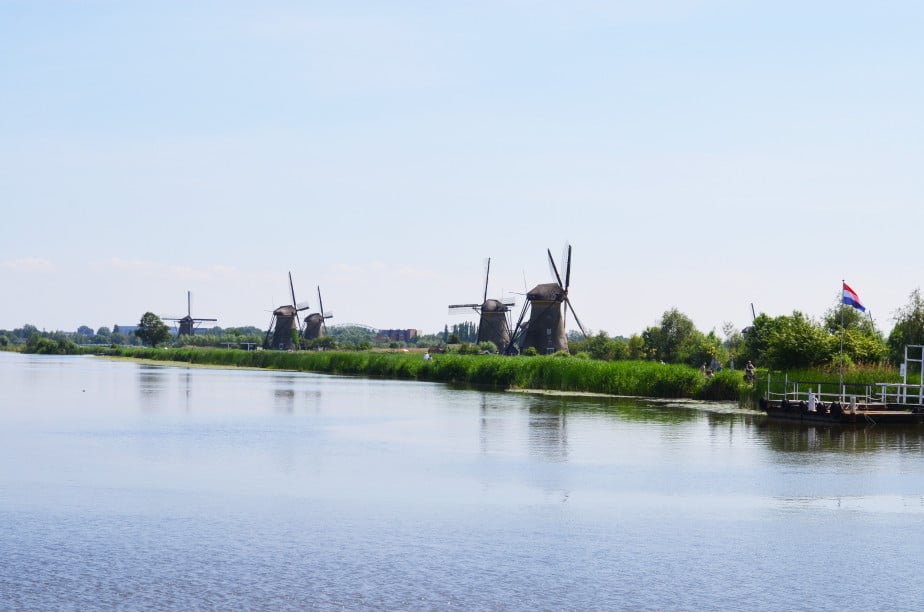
(555, 373)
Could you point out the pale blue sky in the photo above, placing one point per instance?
(703, 155)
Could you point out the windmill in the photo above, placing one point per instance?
(285, 324)
(315, 327)
(188, 324)
(493, 325)
(548, 306)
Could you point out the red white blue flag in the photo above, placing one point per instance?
(852, 299)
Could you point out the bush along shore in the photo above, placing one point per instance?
(551, 373)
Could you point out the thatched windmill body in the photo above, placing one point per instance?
(493, 322)
(188, 324)
(285, 324)
(548, 307)
(315, 327)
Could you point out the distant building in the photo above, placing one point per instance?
(396, 335)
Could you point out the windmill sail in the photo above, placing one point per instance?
(493, 321)
(188, 323)
(285, 324)
(548, 307)
(315, 325)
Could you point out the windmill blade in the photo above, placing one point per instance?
(268, 331)
(568, 270)
(201, 319)
(321, 309)
(576, 320)
(189, 303)
(515, 332)
(292, 289)
(459, 308)
(487, 273)
(554, 268)
(294, 303)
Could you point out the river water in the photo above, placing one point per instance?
(141, 486)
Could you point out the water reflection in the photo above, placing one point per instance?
(287, 392)
(548, 432)
(152, 381)
(787, 437)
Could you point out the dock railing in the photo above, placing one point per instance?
(901, 393)
(797, 391)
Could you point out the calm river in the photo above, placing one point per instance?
(139, 486)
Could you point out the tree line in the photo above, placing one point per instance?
(779, 343)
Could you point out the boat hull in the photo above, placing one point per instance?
(835, 414)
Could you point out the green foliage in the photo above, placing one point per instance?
(671, 340)
(465, 332)
(324, 343)
(797, 342)
(601, 346)
(724, 385)
(465, 348)
(351, 334)
(909, 327)
(788, 342)
(151, 330)
(530, 351)
(556, 372)
(636, 347)
(39, 345)
(486, 346)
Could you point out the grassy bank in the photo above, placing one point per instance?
(640, 378)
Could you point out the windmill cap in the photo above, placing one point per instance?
(548, 292)
(285, 311)
(494, 306)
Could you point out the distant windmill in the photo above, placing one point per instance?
(285, 324)
(548, 306)
(493, 325)
(315, 327)
(188, 324)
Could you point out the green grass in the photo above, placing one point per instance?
(553, 373)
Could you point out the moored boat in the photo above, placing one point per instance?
(892, 403)
(837, 413)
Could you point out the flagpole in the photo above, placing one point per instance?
(841, 376)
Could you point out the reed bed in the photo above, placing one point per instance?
(553, 373)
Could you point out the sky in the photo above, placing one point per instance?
(709, 156)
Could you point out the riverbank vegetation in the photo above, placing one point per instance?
(648, 363)
(552, 373)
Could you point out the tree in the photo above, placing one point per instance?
(636, 346)
(909, 327)
(151, 330)
(601, 346)
(797, 342)
(669, 341)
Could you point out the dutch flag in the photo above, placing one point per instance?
(852, 299)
